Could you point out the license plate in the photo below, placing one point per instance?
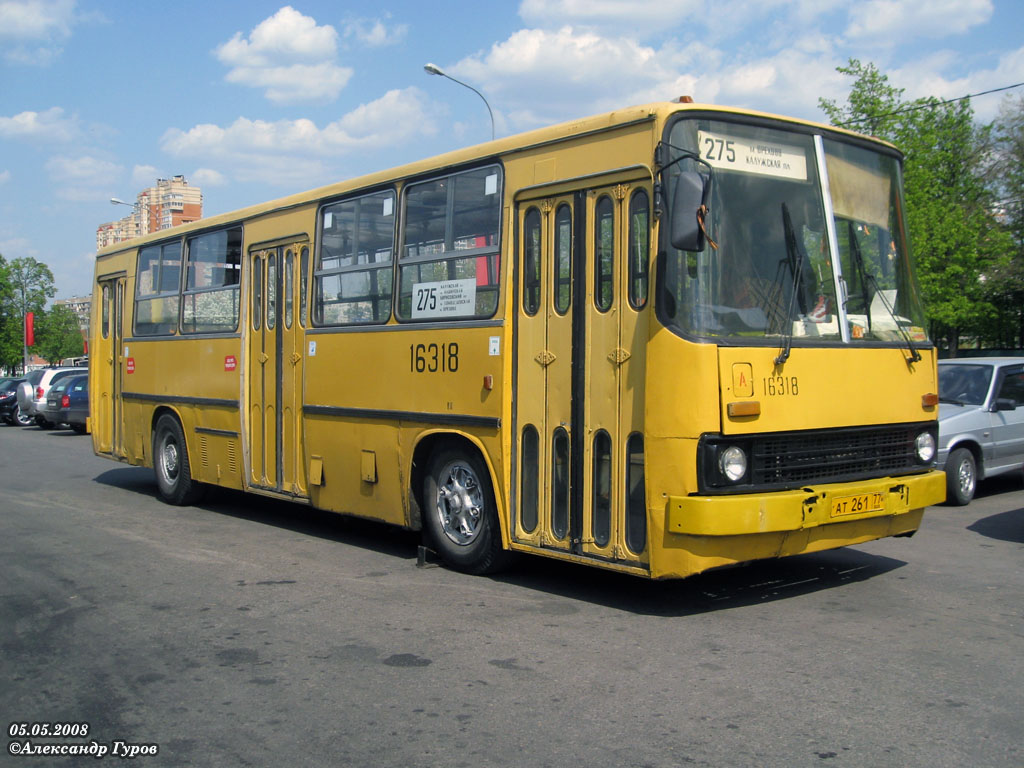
(855, 505)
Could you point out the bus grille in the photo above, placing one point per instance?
(803, 458)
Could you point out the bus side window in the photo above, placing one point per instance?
(639, 246)
(257, 293)
(563, 259)
(531, 262)
(604, 253)
(354, 264)
(213, 274)
(451, 244)
(157, 297)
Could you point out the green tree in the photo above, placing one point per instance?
(29, 286)
(58, 335)
(11, 328)
(1006, 279)
(955, 237)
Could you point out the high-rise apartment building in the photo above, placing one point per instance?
(171, 202)
(80, 305)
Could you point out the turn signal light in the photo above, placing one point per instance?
(929, 400)
(748, 408)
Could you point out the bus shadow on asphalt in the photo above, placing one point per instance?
(1004, 526)
(298, 518)
(755, 583)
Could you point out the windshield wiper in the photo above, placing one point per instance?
(951, 400)
(858, 260)
(866, 276)
(795, 261)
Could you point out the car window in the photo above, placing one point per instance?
(1013, 386)
(62, 375)
(965, 384)
(34, 377)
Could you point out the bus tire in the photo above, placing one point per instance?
(460, 515)
(961, 477)
(171, 466)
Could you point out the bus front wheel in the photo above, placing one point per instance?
(461, 518)
(170, 463)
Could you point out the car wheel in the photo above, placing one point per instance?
(171, 466)
(43, 423)
(79, 428)
(461, 516)
(961, 477)
(20, 418)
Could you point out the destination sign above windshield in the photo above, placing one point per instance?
(766, 158)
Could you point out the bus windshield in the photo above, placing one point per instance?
(790, 237)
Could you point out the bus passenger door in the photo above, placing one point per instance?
(615, 331)
(275, 370)
(295, 271)
(108, 421)
(544, 366)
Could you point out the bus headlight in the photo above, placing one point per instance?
(732, 463)
(924, 447)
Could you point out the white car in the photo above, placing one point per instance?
(981, 421)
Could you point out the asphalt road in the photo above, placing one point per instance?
(246, 632)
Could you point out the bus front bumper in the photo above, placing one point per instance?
(805, 508)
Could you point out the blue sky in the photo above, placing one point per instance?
(255, 100)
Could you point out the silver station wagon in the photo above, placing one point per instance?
(981, 421)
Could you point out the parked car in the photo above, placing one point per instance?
(74, 403)
(32, 392)
(981, 421)
(48, 415)
(9, 410)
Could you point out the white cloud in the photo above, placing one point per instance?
(207, 177)
(630, 14)
(50, 125)
(33, 29)
(295, 150)
(36, 19)
(295, 82)
(924, 77)
(83, 178)
(145, 175)
(892, 22)
(536, 76)
(289, 56)
(376, 32)
(5, 176)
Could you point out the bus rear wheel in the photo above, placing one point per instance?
(171, 466)
(460, 515)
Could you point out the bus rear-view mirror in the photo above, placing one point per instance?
(690, 194)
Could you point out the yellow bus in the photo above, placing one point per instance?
(659, 340)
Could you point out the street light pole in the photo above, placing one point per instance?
(136, 210)
(433, 69)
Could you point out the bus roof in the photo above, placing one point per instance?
(504, 146)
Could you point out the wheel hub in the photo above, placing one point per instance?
(460, 504)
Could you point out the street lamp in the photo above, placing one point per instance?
(433, 69)
(135, 215)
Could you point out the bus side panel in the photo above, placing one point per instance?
(199, 379)
(376, 392)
